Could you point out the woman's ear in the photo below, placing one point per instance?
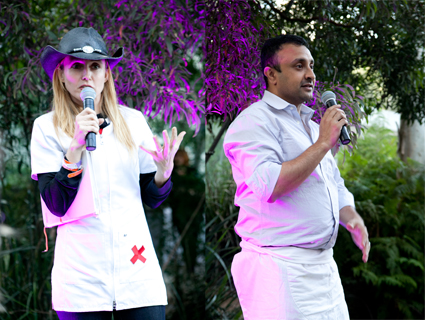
(107, 71)
(61, 76)
(60, 71)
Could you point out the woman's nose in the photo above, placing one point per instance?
(86, 73)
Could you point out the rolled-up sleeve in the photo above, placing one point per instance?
(146, 163)
(46, 152)
(251, 148)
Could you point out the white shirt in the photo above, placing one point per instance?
(92, 268)
(262, 137)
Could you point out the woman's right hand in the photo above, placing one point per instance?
(85, 122)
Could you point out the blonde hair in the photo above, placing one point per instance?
(65, 109)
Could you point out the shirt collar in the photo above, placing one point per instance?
(278, 103)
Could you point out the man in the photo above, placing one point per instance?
(290, 194)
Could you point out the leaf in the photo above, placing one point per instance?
(169, 46)
(52, 36)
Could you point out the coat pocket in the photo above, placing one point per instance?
(138, 260)
(85, 258)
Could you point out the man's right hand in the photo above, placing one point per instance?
(331, 125)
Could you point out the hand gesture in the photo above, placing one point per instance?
(360, 236)
(331, 124)
(164, 156)
(85, 122)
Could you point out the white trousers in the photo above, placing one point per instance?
(270, 288)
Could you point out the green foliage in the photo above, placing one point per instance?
(221, 241)
(389, 196)
(383, 38)
(352, 105)
(232, 72)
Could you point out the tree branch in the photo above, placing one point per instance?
(283, 16)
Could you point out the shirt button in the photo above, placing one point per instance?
(298, 122)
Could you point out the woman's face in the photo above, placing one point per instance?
(79, 73)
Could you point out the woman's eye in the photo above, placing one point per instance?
(95, 66)
(76, 66)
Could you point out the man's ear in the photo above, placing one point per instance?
(271, 75)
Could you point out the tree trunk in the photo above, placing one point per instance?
(411, 141)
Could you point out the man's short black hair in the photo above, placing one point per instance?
(272, 46)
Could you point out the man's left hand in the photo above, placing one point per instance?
(360, 236)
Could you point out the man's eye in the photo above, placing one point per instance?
(299, 66)
(312, 67)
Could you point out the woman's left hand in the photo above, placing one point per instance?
(164, 156)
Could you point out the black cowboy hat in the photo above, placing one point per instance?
(83, 43)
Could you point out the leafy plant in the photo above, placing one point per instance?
(352, 105)
(234, 34)
(389, 196)
(221, 241)
(233, 75)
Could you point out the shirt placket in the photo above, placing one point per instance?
(332, 239)
(104, 181)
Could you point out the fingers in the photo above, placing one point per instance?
(180, 138)
(365, 252)
(171, 146)
(166, 143)
(361, 238)
(87, 111)
(87, 121)
(336, 113)
(157, 145)
(176, 140)
(151, 152)
(365, 243)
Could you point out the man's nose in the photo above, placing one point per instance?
(310, 74)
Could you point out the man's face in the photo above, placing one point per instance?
(295, 82)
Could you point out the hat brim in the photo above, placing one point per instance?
(50, 58)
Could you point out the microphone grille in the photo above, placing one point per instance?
(87, 92)
(328, 95)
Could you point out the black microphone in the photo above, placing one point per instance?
(329, 100)
(88, 95)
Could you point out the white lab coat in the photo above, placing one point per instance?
(92, 269)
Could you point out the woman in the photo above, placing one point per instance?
(106, 263)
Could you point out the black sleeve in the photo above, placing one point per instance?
(58, 191)
(151, 194)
